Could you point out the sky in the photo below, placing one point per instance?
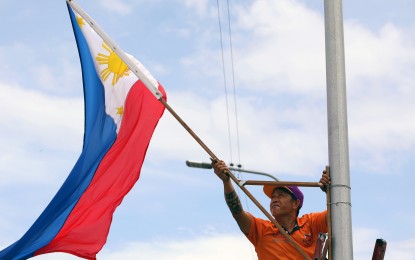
(261, 103)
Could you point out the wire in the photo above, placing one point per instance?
(233, 83)
(239, 174)
(224, 80)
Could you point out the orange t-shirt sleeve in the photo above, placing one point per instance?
(253, 231)
(318, 222)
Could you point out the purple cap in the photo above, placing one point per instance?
(294, 190)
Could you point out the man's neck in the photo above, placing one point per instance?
(287, 222)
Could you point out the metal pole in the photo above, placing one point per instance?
(254, 172)
(282, 183)
(205, 165)
(337, 132)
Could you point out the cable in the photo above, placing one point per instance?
(234, 85)
(224, 80)
(239, 174)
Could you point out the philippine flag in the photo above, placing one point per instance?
(120, 117)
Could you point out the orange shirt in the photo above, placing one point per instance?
(270, 244)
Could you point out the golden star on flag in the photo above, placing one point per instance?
(120, 110)
(80, 21)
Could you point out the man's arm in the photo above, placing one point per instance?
(231, 197)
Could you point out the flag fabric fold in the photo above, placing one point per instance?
(120, 117)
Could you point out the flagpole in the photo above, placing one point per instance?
(142, 73)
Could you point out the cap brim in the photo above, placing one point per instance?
(268, 189)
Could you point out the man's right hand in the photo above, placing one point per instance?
(221, 170)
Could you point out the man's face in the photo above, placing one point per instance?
(282, 203)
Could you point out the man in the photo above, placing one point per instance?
(285, 205)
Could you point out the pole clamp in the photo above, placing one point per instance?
(340, 202)
(341, 185)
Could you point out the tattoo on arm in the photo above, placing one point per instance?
(233, 202)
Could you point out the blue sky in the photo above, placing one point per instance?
(176, 212)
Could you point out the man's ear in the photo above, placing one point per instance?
(297, 203)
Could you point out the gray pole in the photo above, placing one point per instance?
(342, 245)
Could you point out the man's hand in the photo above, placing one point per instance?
(221, 170)
(325, 181)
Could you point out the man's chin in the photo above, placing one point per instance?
(275, 213)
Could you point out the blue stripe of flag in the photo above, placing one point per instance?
(100, 134)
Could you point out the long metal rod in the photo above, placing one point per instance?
(205, 165)
(253, 172)
(150, 86)
(337, 132)
(283, 183)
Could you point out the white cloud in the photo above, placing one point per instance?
(401, 250)
(202, 248)
(380, 82)
(285, 53)
(118, 6)
(364, 242)
(200, 6)
(44, 75)
(234, 247)
(387, 54)
(277, 53)
(220, 247)
(277, 58)
(37, 127)
(265, 139)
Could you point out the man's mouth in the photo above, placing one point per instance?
(273, 205)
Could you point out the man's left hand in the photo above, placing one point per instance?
(325, 181)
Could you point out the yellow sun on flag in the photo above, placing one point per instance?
(115, 65)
